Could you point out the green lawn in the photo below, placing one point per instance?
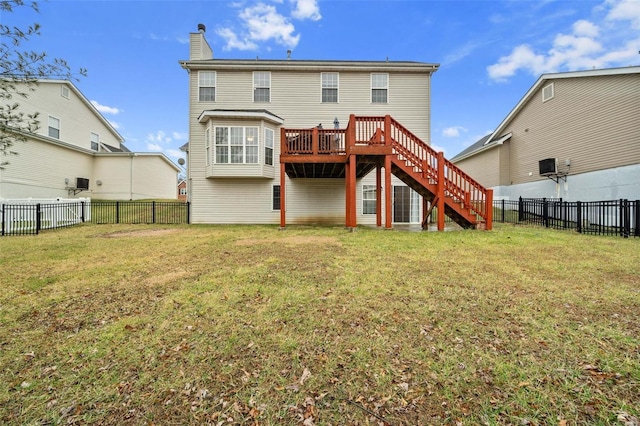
(138, 324)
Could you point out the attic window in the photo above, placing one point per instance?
(64, 92)
(547, 92)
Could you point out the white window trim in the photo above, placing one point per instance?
(97, 141)
(371, 87)
(229, 146)
(215, 85)
(553, 92)
(58, 128)
(322, 74)
(273, 150)
(254, 87)
(207, 145)
(273, 187)
(367, 199)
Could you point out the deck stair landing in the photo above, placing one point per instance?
(383, 143)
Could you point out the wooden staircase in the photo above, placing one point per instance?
(382, 142)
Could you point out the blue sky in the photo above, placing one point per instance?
(490, 52)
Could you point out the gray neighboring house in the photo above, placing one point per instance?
(582, 128)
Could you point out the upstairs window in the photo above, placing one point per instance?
(262, 86)
(64, 92)
(547, 92)
(207, 86)
(236, 145)
(54, 127)
(379, 88)
(95, 141)
(268, 147)
(329, 87)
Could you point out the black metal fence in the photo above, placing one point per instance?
(29, 218)
(614, 217)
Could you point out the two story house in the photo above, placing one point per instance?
(573, 135)
(306, 141)
(77, 152)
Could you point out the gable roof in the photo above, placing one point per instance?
(494, 140)
(88, 104)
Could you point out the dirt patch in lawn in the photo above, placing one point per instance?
(140, 233)
(293, 240)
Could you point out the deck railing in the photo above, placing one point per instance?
(313, 141)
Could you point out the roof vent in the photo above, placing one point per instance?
(289, 54)
(201, 28)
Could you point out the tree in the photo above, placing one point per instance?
(20, 70)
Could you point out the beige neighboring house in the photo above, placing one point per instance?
(76, 152)
(238, 108)
(574, 135)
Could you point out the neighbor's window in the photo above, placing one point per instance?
(236, 145)
(379, 88)
(268, 147)
(95, 141)
(275, 203)
(329, 87)
(547, 92)
(183, 191)
(368, 199)
(262, 86)
(207, 86)
(54, 127)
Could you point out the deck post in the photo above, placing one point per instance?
(350, 133)
(489, 223)
(440, 188)
(283, 211)
(387, 130)
(352, 192)
(314, 141)
(378, 195)
(387, 191)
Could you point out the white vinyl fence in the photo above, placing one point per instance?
(30, 215)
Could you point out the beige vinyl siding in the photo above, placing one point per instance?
(591, 121)
(295, 97)
(77, 121)
(483, 167)
(505, 150)
(40, 169)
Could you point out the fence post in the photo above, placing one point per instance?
(626, 224)
(3, 216)
(153, 212)
(38, 218)
(545, 212)
(636, 209)
(503, 210)
(520, 210)
(117, 211)
(82, 211)
(188, 212)
(579, 216)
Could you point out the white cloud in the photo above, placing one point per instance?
(625, 10)
(105, 109)
(174, 153)
(439, 149)
(589, 45)
(453, 132)
(261, 22)
(306, 9)
(153, 147)
(179, 136)
(233, 42)
(114, 124)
